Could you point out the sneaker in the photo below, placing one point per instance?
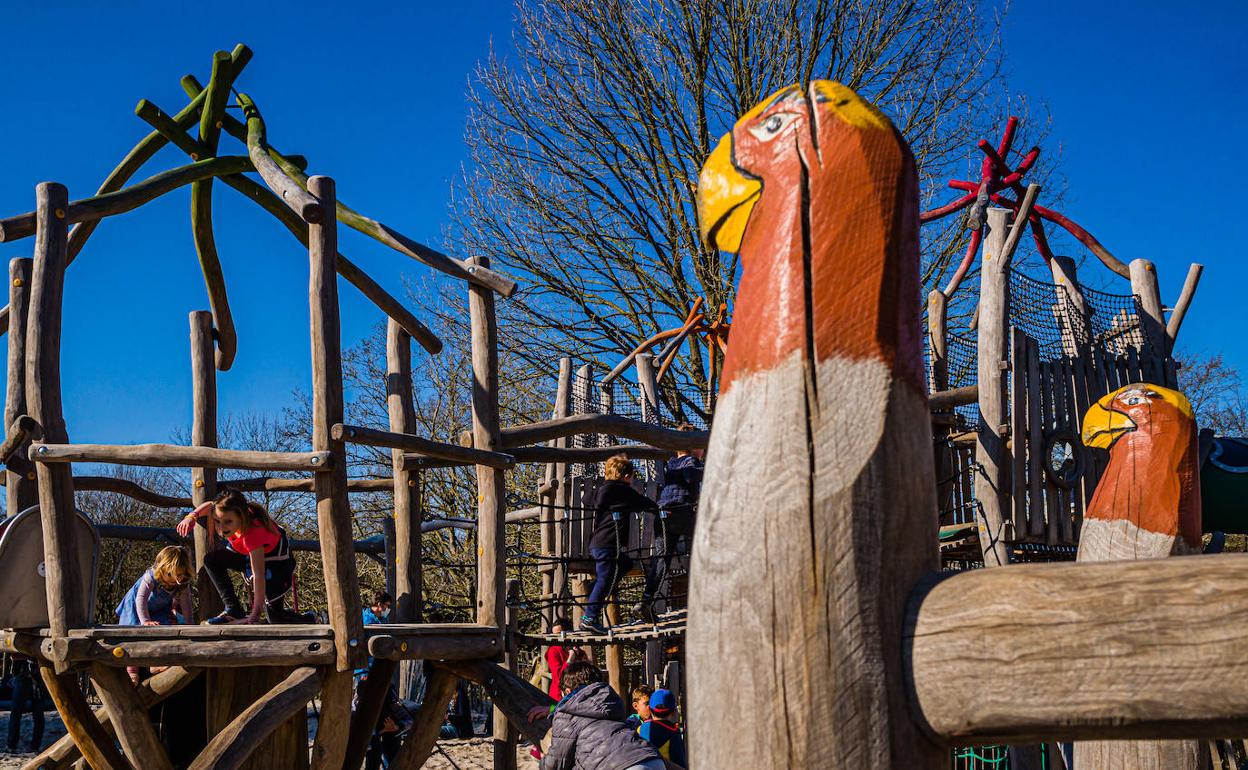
(230, 615)
(644, 611)
(592, 625)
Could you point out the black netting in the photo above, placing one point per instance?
(1048, 313)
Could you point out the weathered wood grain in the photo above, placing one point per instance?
(1148, 295)
(986, 665)
(173, 456)
(22, 490)
(428, 721)
(64, 577)
(612, 424)
(370, 697)
(1183, 302)
(491, 483)
(203, 433)
(225, 653)
(333, 728)
(95, 744)
(420, 445)
(292, 193)
(509, 692)
(130, 719)
(483, 642)
(333, 509)
(231, 747)
(993, 479)
(406, 483)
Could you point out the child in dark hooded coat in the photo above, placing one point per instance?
(588, 730)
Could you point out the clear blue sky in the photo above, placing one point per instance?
(374, 95)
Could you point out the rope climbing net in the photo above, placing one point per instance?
(1048, 313)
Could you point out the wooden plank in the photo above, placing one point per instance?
(449, 646)
(491, 483)
(1144, 611)
(408, 591)
(1035, 443)
(1069, 421)
(1018, 433)
(64, 580)
(231, 653)
(52, 452)
(203, 433)
(130, 719)
(333, 509)
(22, 491)
(1052, 505)
(95, 744)
(231, 747)
(992, 481)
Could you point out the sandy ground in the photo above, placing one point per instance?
(473, 754)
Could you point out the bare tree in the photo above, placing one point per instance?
(1216, 393)
(587, 144)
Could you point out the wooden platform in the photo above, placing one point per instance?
(250, 645)
(669, 624)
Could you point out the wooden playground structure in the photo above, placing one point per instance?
(914, 662)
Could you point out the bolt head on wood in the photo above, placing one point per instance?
(18, 282)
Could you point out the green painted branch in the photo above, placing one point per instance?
(201, 213)
(120, 201)
(482, 276)
(292, 192)
(274, 205)
(134, 160)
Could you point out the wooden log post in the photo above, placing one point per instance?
(203, 433)
(614, 653)
(1077, 329)
(333, 509)
(96, 745)
(491, 483)
(427, 722)
(505, 735)
(648, 384)
(402, 415)
(582, 389)
(1184, 302)
(1148, 299)
(333, 729)
(22, 491)
(992, 482)
(938, 381)
(133, 725)
(563, 492)
(249, 732)
(67, 607)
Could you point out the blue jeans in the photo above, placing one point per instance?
(609, 566)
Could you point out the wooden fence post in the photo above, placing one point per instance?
(491, 484)
(937, 345)
(333, 509)
(992, 482)
(21, 489)
(563, 493)
(582, 390)
(1078, 330)
(1147, 294)
(649, 387)
(203, 433)
(506, 736)
(63, 579)
(408, 584)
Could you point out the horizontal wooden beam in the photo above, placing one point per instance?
(606, 424)
(948, 399)
(173, 456)
(450, 646)
(425, 447)
(1141, 649)
(211, 653)
(547, 454)
(262, 484)
(170, 535)
(129, 198)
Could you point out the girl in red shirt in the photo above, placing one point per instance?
(257, 547)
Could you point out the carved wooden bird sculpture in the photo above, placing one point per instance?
(1147, 503)
(1146, 506)
(820, 450)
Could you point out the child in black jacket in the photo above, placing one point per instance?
(615, 498)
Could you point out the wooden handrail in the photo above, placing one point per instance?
(423, 446)
(607, 424)
(173, 456)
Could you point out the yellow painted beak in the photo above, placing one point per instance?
(725, 199)
(1102, 425)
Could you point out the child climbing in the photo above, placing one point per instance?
(587, 727)
(257, 547)
(678, 505)
(662, 730)
(615, 498)
(165, 589)
(162, 597)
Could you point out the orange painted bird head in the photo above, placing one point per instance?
(819, 194)
(1151, 477)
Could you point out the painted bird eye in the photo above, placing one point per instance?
(1133, 400)
(772, 126)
